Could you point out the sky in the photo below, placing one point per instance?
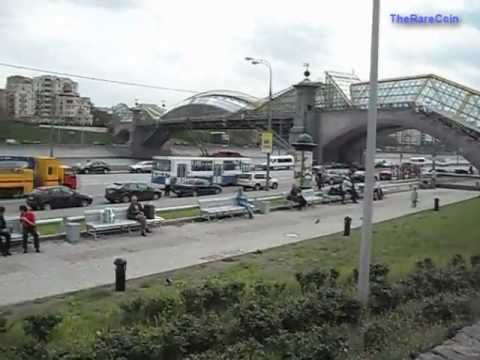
(201, 45)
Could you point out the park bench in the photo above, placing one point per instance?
(220, 207)
(15, 230)
(95, 225)
(310, 197)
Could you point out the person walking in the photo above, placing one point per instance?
(470, 170)
(29, 227)
(242, 201)
(319, 180)
(167, 186)
(349, 187)
(414, 197)
(137, 212)
(4, 233)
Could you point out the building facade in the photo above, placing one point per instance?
(20, 97)
(47, 99)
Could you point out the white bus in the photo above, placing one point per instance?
(218, 170)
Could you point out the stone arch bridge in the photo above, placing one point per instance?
(333, 111)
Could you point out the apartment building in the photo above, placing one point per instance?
(46, 89)
(71, 109)
(20, 97)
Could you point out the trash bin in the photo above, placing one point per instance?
(73, 232)
(149, 211)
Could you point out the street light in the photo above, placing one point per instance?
(365, 248)
(256, 61)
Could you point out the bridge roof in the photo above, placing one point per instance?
(227, 100)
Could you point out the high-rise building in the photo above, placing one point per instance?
(71, 109)
(20, 97)
(46, 88)
(3, 105)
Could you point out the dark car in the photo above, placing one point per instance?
(194, 187)
(97, 166)
(461, 171)
(226, 153)
(56, 197)
(123, 192)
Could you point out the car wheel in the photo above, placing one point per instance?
(156, 196)
(86, 171)
(257, 187)
(125, 198)
(105, 171)
(139, 171)
(274, 186)
(218, 191)
(84, 203)
(195, 193)
(47, 207)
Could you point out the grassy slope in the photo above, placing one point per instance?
(27, 132)
(399, 243)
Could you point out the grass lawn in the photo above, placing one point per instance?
(398, 243)
(27, 132)
(178, 214)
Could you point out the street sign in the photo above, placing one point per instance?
(267, 142)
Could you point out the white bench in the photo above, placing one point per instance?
(94, 222)
(218, 207)
(310, 197)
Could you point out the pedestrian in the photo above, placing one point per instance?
(137, 212)
(242, 201)
(319, 180)
(167, 186)
(29, 227)
(295, 195)
(348, 186)
(470, 170)
(414, 197)
(4, 233)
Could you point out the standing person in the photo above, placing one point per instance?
(4, 233)
(242, 201)
(136, 212)
(27, 217)
(470, 170)
(167, 186)
(414, 197)
(349, 187)
(319, 180)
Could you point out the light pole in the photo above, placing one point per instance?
(365, 248)
(256, 61)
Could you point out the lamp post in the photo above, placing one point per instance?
(365, 248)
(256, 61)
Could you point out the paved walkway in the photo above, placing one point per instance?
(463, 346)
(62, 267)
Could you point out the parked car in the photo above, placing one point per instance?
(194, 187)
(226, 153)
(141, 167)
(56, 197)
(96, 166)
(255, 180)
(461, 171)
(385, 175)
(333, 177)
(123, 192)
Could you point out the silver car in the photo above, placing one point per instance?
(141, 167)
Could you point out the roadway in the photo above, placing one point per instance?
(94, 185)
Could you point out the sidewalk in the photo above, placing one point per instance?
(62, 267)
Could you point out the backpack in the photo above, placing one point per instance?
(108, 216)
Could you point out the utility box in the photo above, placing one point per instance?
(73, 232)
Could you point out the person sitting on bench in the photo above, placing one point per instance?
(136, 212)
(242, 201)
(295, 195)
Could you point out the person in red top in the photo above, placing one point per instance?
(27, 217)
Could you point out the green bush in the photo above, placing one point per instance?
(212, 297)
(446, 308)
(316, 279)
(257, 321)
(40, 327)
(375, 336)
(152, 311)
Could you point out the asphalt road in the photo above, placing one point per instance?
(94, 185)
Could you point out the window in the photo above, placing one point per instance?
(142, 187)
(202, 165)
(66, 190)
(260, 176)
(50, 170)
(287, 160)
(231, 165)
(162, 165)
(131, 187)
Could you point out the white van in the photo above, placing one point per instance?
(280, 162)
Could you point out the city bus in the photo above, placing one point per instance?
(217, 170)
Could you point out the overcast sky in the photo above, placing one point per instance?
(201, 45)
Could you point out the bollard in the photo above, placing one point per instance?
(436, 204)
(346, 226)
(120, 274)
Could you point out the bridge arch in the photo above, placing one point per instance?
(348, 141)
